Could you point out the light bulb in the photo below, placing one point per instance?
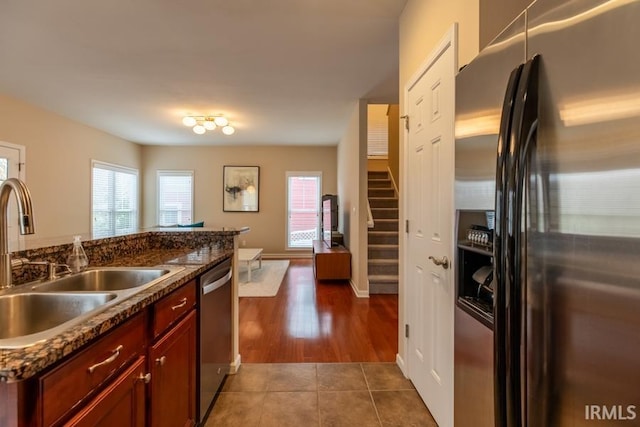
(189, 121)
(199, 129)
(221, 121)
(209, 124)
(228, 130)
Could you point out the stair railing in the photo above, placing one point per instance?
(370, 222)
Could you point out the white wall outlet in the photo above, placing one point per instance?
(244, 243)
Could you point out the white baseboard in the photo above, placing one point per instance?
(301, 255)
(358, 293)
(235, 365)
(401, 364)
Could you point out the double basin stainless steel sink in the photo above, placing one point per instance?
(38, 311)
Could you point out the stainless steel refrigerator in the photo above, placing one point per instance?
(548, 137)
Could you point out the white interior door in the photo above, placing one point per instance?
(430, 174)
(12, 166)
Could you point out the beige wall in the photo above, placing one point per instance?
(422, 25)
(352, 194)
(495, 15)
(58, 162)
(377, 165)
(268, 226)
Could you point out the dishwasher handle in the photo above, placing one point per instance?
(210, 287)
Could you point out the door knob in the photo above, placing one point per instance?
(444, 261)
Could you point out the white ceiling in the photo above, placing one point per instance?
(285, 72)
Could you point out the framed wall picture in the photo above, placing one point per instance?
(241, 188)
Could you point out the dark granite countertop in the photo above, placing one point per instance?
(22, 363)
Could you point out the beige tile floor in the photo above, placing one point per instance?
(323, 394)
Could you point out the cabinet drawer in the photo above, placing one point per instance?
(172, 307)
(122, 403)
(65, 386)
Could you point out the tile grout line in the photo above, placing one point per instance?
(373, 402)
(266, 391)
(318, 396)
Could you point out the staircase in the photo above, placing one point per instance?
(383, 237)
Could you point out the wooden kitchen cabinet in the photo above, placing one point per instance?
(65, 387)
(141, 373)
(172, 361)
(121, 404)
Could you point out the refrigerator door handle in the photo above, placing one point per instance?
(499, 343)
(523, 132)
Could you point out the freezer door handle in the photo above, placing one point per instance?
(499, 273)
(522, 140)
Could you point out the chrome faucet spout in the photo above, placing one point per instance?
(25, 213)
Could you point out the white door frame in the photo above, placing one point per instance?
(450, 37)
(22, 169)
(16, 170)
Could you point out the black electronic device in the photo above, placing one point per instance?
(329, 218)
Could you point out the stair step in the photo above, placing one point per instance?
(379, 183)
(381, 192)
(385, 267)
(378, 251)
(383, 202)
(383, 237)
(383, 284)
(383, 278)
(383, 288)
(385, 213)
(385, 225)
(377, 174)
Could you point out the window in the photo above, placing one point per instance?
(303, 208)
(377, 130)
(175, 197)
(114, 205)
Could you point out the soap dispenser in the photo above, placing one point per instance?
(77, 259)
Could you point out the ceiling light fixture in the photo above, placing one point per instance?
(201, 124)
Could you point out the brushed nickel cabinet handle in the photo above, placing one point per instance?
(108, 360)
(160, 360)
(183, 302)
(146, 378)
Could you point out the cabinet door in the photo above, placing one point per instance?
(68, 384)
(173, 376)
(121, 404)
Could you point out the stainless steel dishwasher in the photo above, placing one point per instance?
(215, 333)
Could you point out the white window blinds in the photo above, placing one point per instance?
(378, 130)
(175, 197)
(114, 206)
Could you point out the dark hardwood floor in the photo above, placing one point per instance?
(309, 321)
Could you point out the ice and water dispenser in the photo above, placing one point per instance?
(474, 284)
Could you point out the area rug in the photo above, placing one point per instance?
(265, 281)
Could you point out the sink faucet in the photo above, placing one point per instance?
(25, 218)
(52, 267)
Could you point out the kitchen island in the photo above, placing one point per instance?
(193, 251)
